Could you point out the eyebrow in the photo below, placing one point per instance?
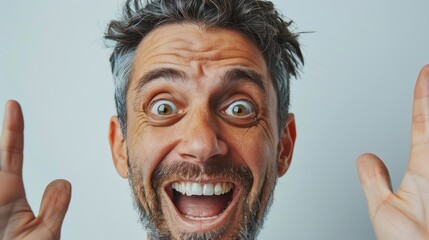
(231, 75)
(235, 74)
(160, 73)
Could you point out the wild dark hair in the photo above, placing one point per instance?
(256, 19)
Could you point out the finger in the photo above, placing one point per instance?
(55, 202)
(12, 139)
(420, 129)
(375, 180)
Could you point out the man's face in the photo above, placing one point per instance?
(203, 142)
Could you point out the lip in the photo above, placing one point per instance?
(203, 225)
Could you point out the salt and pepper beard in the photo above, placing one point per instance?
(153, 219)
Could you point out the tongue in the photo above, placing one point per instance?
(201, 206)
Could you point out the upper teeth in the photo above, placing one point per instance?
(193, 188)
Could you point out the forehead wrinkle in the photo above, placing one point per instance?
(163, 58)
(191, 49)
(214, 53)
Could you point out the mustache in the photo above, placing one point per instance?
(222, 170)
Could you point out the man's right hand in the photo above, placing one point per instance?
(17, 220)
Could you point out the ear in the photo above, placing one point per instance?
(118, 147)
(286, 145)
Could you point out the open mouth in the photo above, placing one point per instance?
(202, 201)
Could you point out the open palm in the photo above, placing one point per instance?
(17, 220)
(403, 214)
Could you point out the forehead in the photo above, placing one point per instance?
(197, 50)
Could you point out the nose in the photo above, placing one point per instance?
(200, 140)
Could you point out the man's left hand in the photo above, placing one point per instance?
(403, 214)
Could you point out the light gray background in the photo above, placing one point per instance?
(354, 96)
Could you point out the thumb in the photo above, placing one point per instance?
(55, 202)
(375, 180)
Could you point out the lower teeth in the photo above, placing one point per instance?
(200, 218)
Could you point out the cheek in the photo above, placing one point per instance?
(257, 150)
(261, 161)
(147, 146)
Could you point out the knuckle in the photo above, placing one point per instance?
(421, 118)
(11, 150)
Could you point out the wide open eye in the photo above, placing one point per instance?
(164, 108)
(240, 108)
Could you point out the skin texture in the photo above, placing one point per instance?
(202, 132)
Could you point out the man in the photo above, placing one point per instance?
(203, 129)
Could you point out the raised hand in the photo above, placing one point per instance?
(17, 220)
(403, 214)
